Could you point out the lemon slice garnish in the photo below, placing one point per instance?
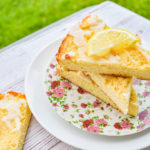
(103, 42)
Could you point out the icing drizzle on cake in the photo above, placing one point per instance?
(79, 39)
(12, 105)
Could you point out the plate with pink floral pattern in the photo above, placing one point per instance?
(91, 114)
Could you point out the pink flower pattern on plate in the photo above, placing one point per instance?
(117, 126)
(50, 76)
(58, 92)
(52, 66)
(87, 123)
(81, 91)
(49, 93)
(147, 84)
(93, 128)
(83, 105)
(96, 104)
(125, 125)
(140, 127)
(81, 115)
(100, 121)
(145, 94)
(66, 84)
(54, 104)
(136, 81)
(66, 106)
(147, 120)
(143, 114)
(54, 84)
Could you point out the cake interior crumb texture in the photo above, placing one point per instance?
(82, 80)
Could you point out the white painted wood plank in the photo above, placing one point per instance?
(15, 60)
(63, 146)
(40, 138)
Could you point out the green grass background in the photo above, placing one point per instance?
(19, 18)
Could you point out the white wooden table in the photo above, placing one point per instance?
(15, 59)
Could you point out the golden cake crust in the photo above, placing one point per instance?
(67, 41)
(132, 62)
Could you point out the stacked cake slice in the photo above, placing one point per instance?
(129, 101)
(91, 57)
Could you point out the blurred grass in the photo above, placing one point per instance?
(19, 18)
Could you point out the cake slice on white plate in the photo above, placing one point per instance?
(116, 91)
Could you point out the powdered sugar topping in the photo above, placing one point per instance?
(14, 113)
(80, 40)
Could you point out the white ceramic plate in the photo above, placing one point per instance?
(40, 107)
(89, 113)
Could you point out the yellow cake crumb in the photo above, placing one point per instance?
(84, 81)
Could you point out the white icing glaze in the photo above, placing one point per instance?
(14, 113)
(71, 54)
(79, 34)
(96, 23)
(127, 95)
(63, 56)
(109, 59)
(80, 41)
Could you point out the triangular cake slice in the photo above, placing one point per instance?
(73, 53)
(117, 88)
(85, 81)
